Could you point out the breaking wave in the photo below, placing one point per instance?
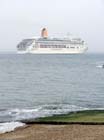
(11, 118)
(39, 111)
(10, 126)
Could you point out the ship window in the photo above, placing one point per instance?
(72, 47)
(52, 46)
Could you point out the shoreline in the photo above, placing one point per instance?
(83, 120)
(90, 117)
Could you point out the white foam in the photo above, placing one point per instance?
(99, 66)
(37, 112)
(10, 126)
(43, 111)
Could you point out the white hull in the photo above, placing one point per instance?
(54, 51)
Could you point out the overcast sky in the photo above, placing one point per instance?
(21, 19)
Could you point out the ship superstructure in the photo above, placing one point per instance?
(46, 45)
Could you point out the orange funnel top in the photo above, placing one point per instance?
(44, 33)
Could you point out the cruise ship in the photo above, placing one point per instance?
(47, 45)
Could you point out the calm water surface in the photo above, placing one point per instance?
(41, 85)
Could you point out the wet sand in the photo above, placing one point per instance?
(56, 132)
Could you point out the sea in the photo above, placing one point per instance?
(34, 86)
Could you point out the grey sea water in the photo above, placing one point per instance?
(32, 86)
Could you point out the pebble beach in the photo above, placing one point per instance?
(56, 132)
